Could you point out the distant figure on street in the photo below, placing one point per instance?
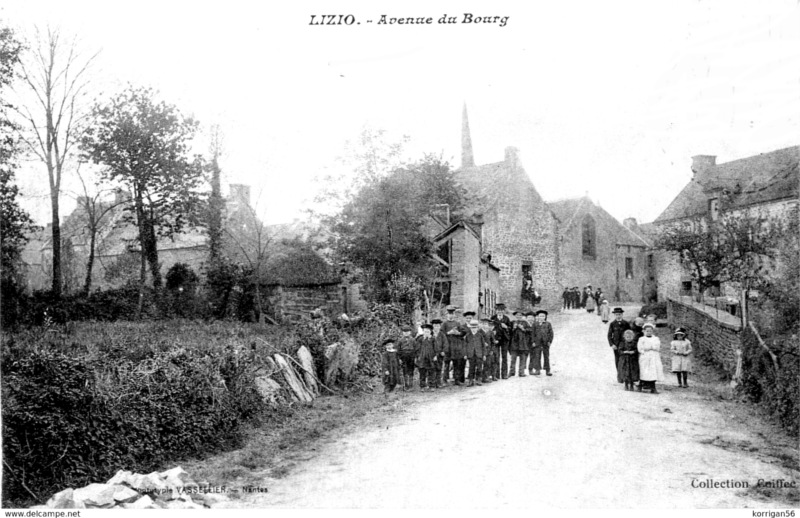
(650, 367)
(590, 304)
(681, 348)
(604, 311)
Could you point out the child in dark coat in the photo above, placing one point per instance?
(407, 351)
(426, 358)
(390, 365)
(628, 366)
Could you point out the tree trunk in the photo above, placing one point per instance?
(87, 285)
(215, 219)
(151, 252)
(56, 239)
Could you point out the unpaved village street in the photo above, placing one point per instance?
(575, 439)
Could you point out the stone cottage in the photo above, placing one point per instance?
(519, 231)
(766, 183)
(554, 245)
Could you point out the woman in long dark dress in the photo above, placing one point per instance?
(628, 371)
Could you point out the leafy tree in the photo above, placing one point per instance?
(56, 75)
(738, 247)
(366, 159)
(697, 249)
(143, 144)
(382, 229)
(15, 223)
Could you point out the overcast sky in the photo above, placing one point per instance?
(610, 98)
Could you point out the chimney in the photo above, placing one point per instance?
(240, 193)
(700, 163)
(467, 159)
(630, 223)
(512, 155)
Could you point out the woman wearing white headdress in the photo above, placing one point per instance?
(650, 367)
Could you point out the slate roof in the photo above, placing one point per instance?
(568, 210)
(763, 178)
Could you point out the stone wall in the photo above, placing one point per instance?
(465, 269)
(636, 288)
(712, 340)
(489, 290)
(292, 303)
(669, 274)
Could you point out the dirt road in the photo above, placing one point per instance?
(575, 439)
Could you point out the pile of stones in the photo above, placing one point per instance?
(171, 489)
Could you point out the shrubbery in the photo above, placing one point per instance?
(123, 396)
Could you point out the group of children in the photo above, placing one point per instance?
(637, 353)
(475, 350)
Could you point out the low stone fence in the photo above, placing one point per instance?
(716, 341)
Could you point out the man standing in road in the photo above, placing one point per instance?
(502, 333)
(616, 329)
(542, 335)
(474, 352)
(520, 335)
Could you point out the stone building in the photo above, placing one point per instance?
(596, 249)
(519, 231)
(560, 244)
(467, 277)
(764, 184)
(296, 280)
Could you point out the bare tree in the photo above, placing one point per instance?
(95, 215)
(251, 242)
(55, 73)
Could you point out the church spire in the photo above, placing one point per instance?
(467, 160)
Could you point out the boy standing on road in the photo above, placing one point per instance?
(440, 346)
(455, 333)
(426, 358)
(474, 352)
(390, 366)
(407, 351)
